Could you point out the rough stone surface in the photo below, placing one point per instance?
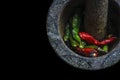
(68, 55)
(96, 18)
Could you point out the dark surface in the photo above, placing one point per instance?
(52, 64)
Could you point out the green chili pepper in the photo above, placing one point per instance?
(76, 36)
(75, 30)
(68, 36)
(83, 45)
(76, 23)
(92, 46)
(67, 33)
(105, 48)
(73, 42)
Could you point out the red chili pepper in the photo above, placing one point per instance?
(107, 41)
(89, 52)
(87, 37)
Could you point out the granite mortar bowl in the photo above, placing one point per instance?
(58, 15)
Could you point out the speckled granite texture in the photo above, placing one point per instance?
(68, 55)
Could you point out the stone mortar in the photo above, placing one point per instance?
(55, 26)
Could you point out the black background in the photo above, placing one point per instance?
(52, 64)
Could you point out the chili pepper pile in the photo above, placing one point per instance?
(82, 42)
